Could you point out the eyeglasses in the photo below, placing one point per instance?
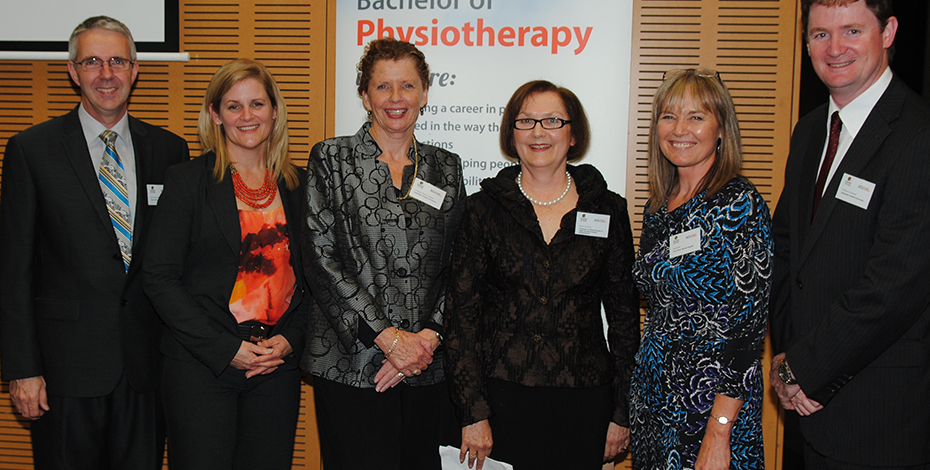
(93, 64)
(706, 73)
(526, 124)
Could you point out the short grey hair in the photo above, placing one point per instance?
(102, 22)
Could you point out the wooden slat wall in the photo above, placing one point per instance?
(288, 36)
(754, 45)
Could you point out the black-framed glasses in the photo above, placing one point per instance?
(93, 64)
(551, 123)
(706, 73)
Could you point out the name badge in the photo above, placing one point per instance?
(153, 192)
(855, 191)
(590, 224)
(423, 191)
(684, 243)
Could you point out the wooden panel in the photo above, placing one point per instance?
(754, 45)
(288, 36)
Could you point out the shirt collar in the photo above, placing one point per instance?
(857, 111)
(93, 128)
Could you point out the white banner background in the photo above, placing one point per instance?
(583, 46)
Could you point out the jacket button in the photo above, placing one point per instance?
(118, 257)
(547, 264)
(800, 286)
(537, 338)
(543, 300)
(405, 323)
(123, 303)
(401, 272)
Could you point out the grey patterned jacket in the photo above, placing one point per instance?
(372, 258)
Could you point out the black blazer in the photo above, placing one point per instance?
(851, 294)
(193, 261)
(68, 309)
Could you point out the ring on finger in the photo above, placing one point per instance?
(400, 374)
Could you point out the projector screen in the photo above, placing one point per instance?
(46, 25)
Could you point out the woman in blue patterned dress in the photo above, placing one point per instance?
(704, 266)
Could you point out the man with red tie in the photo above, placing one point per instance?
(850, 308)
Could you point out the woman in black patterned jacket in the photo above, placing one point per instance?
(382, 211)
(541, 248)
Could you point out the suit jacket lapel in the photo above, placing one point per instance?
(142, 147)
(292, 211)
(75, 146)
(222, 198)
(863, 148)
(810, 167)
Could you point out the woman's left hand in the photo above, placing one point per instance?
(618, 441)
(388, 376)
(715, 449)
(268, 363)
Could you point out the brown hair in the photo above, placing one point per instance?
(710, 94)
(212, 135)
(579, 126)
(882, 9)
(390, 49)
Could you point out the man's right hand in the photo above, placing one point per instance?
(29, 396)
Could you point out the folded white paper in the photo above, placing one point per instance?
(450, 461)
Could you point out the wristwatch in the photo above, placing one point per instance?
(784, 373)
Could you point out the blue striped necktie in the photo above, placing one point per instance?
(113, 184)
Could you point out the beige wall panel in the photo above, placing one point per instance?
(753, 44)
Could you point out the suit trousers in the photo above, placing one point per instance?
(230, 422)
(399, 429)
(123, 429)
(540, 428)
(814, 460)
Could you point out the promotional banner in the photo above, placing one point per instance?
(480, 52)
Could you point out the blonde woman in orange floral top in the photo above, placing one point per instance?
(223, 272)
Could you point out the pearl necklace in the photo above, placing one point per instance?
(540, 203)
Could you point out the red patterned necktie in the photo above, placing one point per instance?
(835, 126)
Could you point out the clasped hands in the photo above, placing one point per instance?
(410, 356)
(791, 396)
(261, 358)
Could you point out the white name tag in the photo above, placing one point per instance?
(855, 191)
(423, 191)
(153, 192)
(590, 224)
(684, 243)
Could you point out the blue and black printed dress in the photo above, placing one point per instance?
(704, 327)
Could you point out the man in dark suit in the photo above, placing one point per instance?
(78, 338)
(850, 315)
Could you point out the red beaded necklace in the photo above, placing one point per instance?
(254, 197)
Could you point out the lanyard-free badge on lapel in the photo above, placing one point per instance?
(423, 191)
(590, 224)
(684, 243)
(855, 191)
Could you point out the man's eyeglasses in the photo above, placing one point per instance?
(526, 124)
(706, 73)
(93, 64)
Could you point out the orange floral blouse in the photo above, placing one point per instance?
(266, 280)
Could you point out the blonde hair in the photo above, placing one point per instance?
(212, 135)
(710, 94)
